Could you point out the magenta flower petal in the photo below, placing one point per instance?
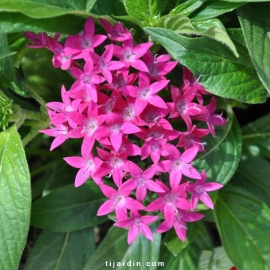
(146, 232)
(205, 198)
(151, 185)
(105, 208)
(76, 162)
(155, 205)
(149, 219)
(169, 213)
(211, 186)
(141, 193)
(190, 154)
(132, 234)
(175, 178)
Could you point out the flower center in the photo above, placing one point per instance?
(116, 162)
(102, 64)
(129, 56)
(199, 189)
(141, 181)
(90, 127)
(170, 198)
(144, 93)
(181, 106)
(137, 222)
(86, 42)
(86, 79)
(177, 165)
(155, 134)
(129, 113)
(155, 147)
(69, 108)
(115, 128)
(119, 201)
(89, 164)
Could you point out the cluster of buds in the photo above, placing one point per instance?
(115, 106)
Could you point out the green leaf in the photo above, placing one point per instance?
(256, 137)
(216, 259)
(69, 208)
(255, 24)
(105, 7)
(244, 224)
(221, 163)
(17, 22)
(141, 8)
(223, 74)
(45, 8)
(15, 199)
(10, 76)
(175, 245)
(5, 111)
(62, 251)
(187, 7)
(212, 28)
(213, 9)
(245, 1)
(114, 248)
(252, 173)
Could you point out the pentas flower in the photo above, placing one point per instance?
(169, 201)
(104, 63)
(192, 137)
(116, 130)
(179, 223)
(141, 181)
(61, 132)
(116, 32)
(63, 109)
(88, 125)
(191, 83)
(130, 55)
(85, 41)
(118, 202)
(199, 191)
(146, 93)
(137, 225)
(88, 165)
(40, 40)
(114, 165)
(210, 117)
(156, 140)
(178, 164)
(86, 79)
(183, 106)
(158, 66)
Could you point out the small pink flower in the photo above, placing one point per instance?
(199, 191)
(146, 93)
(170, 201)
(118, 202)
(131, 55)
(116, 32)
(88, 164)
(141, 181)
(179, 223)
(178, 164)
(137, 225)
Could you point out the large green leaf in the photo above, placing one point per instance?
(215, 260)
(252, 173)
(256, 137)
(114, 248)
(105, 7)
(15, 199)
(212, 28)
(144, 8)
(187, 7)
(244, 225)
(255, 24)
(44, 8)
(9, 76)
(221, 163)
(212, 9)
(69, 208)
(223, 74)
(62, 251)
(16, 22)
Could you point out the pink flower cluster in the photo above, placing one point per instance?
(116, 107)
